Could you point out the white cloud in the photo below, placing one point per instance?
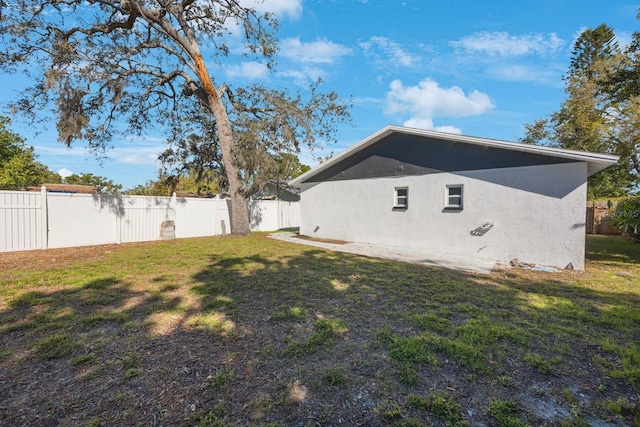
(138, 159)
(366, 101)
(138, 150)
(428, 97)
(503, 44)
(427, 123)
(448, 129)
(523, 73)
(394, 53)
(297, 75)
(427, 100)
(61, 150)
(304, 75)
(250, 70)
(281, 8)
(137, 155)
(624, 39)
(318, 52)
(64, 172)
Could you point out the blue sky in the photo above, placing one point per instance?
(477, 68)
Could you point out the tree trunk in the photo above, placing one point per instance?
(239, 213)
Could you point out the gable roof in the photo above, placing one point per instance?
(595, 161)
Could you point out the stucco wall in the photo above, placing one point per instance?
(538, 213)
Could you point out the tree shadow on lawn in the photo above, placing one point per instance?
(298, 337)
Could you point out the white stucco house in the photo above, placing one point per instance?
(453, 194)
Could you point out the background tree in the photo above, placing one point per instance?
(289, 167)
(166, 185)
(102, 61)
(206, 182)
(101, 184)
(591, 118)
(624, 85)
(18, 166)
(626, 217)
(150, 188)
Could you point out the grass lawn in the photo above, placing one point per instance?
(254, 331)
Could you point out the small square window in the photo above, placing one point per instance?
(454, 197)
(401, 198)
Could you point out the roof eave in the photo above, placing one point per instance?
(595, 166)
(343, 155)
(595, 161)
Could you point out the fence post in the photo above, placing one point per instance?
(44, 219)
(119, 214)
(215, 216)
(174, 207)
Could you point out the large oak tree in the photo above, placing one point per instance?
(116, 67)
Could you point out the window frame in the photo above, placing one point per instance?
(448, 196)
(397, 198)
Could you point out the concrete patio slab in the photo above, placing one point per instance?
(451, 262)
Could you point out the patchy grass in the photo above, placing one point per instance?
(338, 376)
(54, 346)
(325, 332)
(254, 331)
(506, 413)
(442, 405)
(221, 380)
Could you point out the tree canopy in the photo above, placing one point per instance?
(114, 67)
(18, 166)
(101, 184)
(595, 116)
(289, 167)
(206, 182)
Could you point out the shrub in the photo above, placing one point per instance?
(627, 217)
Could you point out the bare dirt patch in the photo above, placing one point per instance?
(59, 257)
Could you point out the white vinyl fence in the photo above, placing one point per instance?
(41, 220)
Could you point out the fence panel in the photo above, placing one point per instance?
(289, 215)
(21, 225)
(141, 217)
(81, 219)
(196, 217)
(263, 215)
(37, 220)
(223, 217)
(599, 217)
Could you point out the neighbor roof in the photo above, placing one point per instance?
(595, 161)
(66, 188)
